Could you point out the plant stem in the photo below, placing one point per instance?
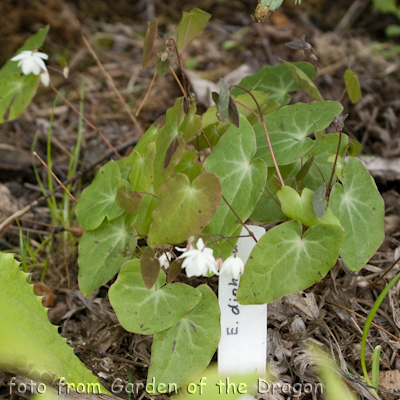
(328, 188)
(261, 118)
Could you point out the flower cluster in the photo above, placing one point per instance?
(201, 262)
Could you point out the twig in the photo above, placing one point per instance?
(360, 316)
(111, 82)
(328, 188)
(371, 285)
(147, 93)
(177, 80)
(78, 175)
(87, 121)
(54, 176)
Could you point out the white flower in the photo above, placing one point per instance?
(232, 266)
(199, 262)
(31, 62)
(45, 78)
(165, 259)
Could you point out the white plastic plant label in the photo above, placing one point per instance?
(243, 345)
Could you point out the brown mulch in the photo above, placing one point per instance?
(115, 29)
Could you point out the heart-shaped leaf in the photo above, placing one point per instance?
(289, 128)
(128, 201)
(285, 252)
(28, 341)
(191, 125)
(184, 208)
(144, 311)
(98, 199)
(191, 24)
(149, 267)
(360, 209)
(242, 177)
(277, 81)
(189, 345)
(301, 207)
(102, 252)
(145, 212)
(174, 270)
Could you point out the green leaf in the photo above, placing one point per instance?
(301, 207)
(289, 127)
(162, 66)
(242, 177)
(142, 175)
(392, 31)
(144, 214)
(360, 209)
(189, 166)
(28, 341)
(223, 100)
(320, 203)
(285, 252)
(144, 311)
(149, 136)
(304, 169)
(103, 251)
(33, 43)
(128, 201)
(16, 92)
(267, 210)
(353, 85)
(169, 146)
(277, 81)
(304, 81)
(98, 199)
(184, 208)
(191, 24)
(184, 350)
(386, 6)
(149, 267)
(191, 125)
(340, 165)
(151, 34)
(354, 148)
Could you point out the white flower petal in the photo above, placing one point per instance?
(200, 244)
(22, 55)
(232, 266)
(45, 78)
(41, 63)
(27, 66)
(42, 55)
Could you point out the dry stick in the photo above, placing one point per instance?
(371, 285)
(223, 198)
(185, 92)
(111, 82)
(177, 80)
(87, 121)
(78, 175)
(147, 93)
(360, 316)
(261, 118)
(54, 176)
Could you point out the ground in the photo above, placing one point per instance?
(344, 33)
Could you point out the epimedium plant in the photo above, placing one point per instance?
(268, 161)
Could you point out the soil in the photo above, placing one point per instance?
(344, 33)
